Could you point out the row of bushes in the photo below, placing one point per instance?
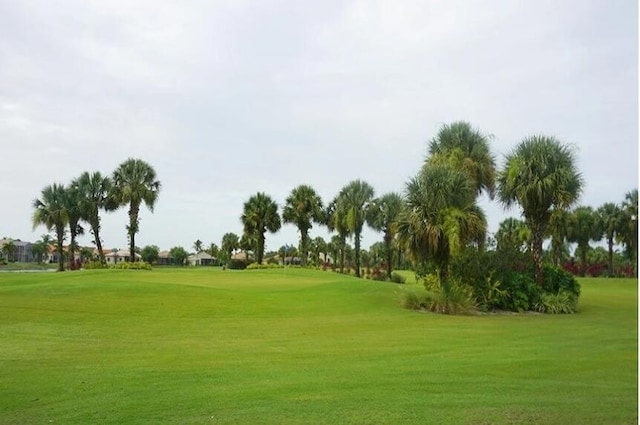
(598, 270)
(124, 265)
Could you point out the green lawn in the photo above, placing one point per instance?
(300, 347)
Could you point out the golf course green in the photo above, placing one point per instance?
(206, 346)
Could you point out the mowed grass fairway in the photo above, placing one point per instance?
(272, 347)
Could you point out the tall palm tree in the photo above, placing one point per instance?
(51, 212)
(95, 191)
(441, 217)
(302, 208)
(72, 202)
(539, 175)
(382, 216)
(260, 214)
(584, 227)
(610, 216)
(355, 198)
(558, 231)
(336, 221)
(467, 149)
(135, 182)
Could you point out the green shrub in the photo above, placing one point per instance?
(398, 278)
(235, 264)
(557, 280)
(89, 265)
(431, 282)
(273, 260)
(458, 299)
(127, 265)
(561, 303)
(521, 293)
(415, 298)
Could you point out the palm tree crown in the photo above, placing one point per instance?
(260, 215)
(468, 150)
(610, 217)
(94, 192)
(135, 182)
(50, 211)
(441, 216)
(382, 216)
(354, 199)
(540, 175)
(302, 208)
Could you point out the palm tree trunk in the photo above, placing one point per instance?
(133, 229)
(342, 244)
(389, 252)
(357, 249)
(610, 241)
(260, 248)
(536, 252)
(95, 228)
(303, 248)
(59, 241)
(72, 248)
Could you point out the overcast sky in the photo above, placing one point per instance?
(234, 97)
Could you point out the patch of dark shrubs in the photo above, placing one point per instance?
(504, 280)
(237, 264)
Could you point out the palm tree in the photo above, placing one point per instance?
(629, 226)
(558, 231)
(355, 198)
(610, 216)
(72, 202)
(302, 208)
(539, 175)
(135, 182)
(50, 211)
(334, 249)
(321, 247)
(382, 216)
(513, 234)
(441, 217)
(467, 149)
(197, 246)
(8, 249)
(230, 242)
(336, 220)
(248, 243)
(94, 195)
(584, 227)
(213, 250)
(260, 214)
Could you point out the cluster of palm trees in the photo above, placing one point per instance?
(61, 207)
(438, 215)
(611, 222)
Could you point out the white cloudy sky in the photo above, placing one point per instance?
(233, 97)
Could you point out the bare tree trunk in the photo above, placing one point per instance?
(357, 249)
(59, 241)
